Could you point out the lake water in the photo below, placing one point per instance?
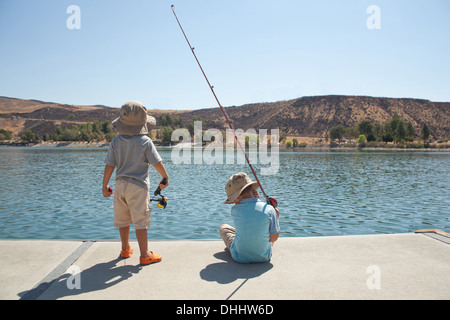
(55, 193)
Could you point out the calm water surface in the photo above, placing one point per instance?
(56, 194)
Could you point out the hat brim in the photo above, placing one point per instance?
(134, 130)
(233, 197)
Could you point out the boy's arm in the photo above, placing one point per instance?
(274, 237)
(162, 171)
(106, 176)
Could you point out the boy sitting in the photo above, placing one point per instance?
(256, 223)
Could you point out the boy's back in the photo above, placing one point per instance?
(132, 157)
(254, 222)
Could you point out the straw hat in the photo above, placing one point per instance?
(236, 184)
(133, 119)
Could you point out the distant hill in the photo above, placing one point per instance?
(307, 116)
(315, 116)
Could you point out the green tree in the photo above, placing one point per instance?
(57, 134)
(397, 129)
(361, 140)
(350, 133)
(169, 120)
(400, 133)
(96, 127)
(365, 127)
(177, 122)
(106, 127)
(29, 136)
(377, 132)
(337, 132)
(294, 143)
(425, 133)
(410, 132)
(70, 135)
(162, 122)
(166, 135)
(5, 134)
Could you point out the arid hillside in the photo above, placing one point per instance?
(306, 116)
(315, 116)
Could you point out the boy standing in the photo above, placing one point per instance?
(131, 153)
(256, 223)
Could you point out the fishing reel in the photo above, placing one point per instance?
(272, 201)
(159, 198)
(162, 201)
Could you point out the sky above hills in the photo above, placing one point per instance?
(110, 51)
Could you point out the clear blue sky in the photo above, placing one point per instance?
(251, 50)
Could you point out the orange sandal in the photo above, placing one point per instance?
(126, 253)
(154, 258)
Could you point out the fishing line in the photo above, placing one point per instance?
(270, 200)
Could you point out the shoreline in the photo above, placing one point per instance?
(315, 147)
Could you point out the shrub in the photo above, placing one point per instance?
(361, 140)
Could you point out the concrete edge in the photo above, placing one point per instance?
(40, 287)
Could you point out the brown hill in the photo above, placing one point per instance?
(306, 116)
(315, 116)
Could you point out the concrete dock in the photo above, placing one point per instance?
(388, 266)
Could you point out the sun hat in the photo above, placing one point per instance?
(236, 184)
(133, 119)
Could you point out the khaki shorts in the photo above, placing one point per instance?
(227, 233)
(131, 206)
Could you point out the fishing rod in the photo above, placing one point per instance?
(270, 200)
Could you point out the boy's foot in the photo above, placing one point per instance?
(126, 253)
(155, 257)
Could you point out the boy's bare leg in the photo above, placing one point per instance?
(141, 236)
(125, 237)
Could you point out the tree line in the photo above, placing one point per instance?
(395, 130)
(169, 123)
(89, 132)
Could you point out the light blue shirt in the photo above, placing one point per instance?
(254, 221)
(132, 157)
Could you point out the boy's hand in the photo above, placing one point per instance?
(255, 193)
(163, 186)
(107, 191)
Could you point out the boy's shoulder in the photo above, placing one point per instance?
(140, 138)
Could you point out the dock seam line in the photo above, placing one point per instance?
(237, 289)
(435, 234)
(438, 237)
(47, 281)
